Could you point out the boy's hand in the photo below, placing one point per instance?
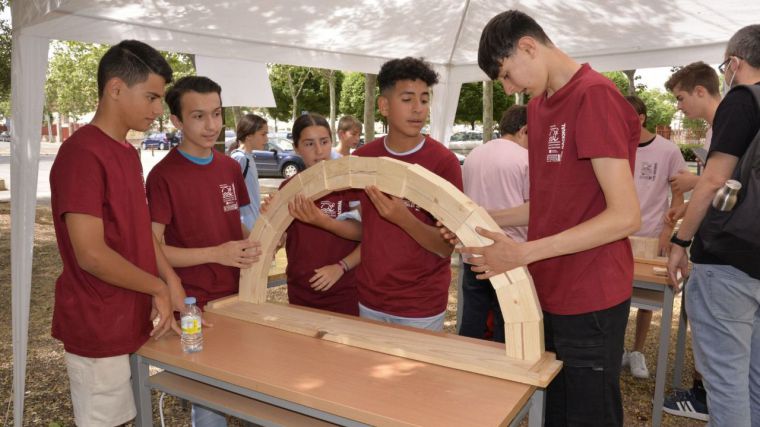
(663, 242)
(501, 256)
(391, 208)
(448, 235)
(326, 277)
(674, 214)
(162, 308)
(238, 253)
(267, 202)
(678, 262)
(306, 211)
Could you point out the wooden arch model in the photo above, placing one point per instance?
(525, 359)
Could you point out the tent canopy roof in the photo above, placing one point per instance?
(360, 35)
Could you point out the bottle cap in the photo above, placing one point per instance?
(734, 184)
(189, 300)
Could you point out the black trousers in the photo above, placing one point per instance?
(478, 299)
(586, 392)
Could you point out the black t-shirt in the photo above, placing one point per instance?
(736, 123)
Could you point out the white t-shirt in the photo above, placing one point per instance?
(656, 163)
(495, 176)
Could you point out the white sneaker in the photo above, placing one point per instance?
(626, 359)
(638, 365)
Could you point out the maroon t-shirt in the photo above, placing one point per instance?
(309, 248)
(397, 276)
(587, 118)
(96, 175)
(200, 206)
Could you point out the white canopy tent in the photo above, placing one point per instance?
(353, 35)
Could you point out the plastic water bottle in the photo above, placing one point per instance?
(192, 335)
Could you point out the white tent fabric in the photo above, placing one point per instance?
(242, 82)
(353, 35)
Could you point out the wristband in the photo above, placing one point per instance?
(343, 265)
(682, 243)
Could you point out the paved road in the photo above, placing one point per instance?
(149, 159)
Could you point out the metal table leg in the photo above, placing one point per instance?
(536, 416)
(680, 341)
(662, 355)
(141, 390)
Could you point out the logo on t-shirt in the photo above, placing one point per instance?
(229, 198)
(330, 208)
(648, 171)
(556, 143)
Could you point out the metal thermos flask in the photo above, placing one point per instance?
(725, 198)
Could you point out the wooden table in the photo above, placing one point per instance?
(652, 292)
(332, 382)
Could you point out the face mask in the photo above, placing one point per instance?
(727, 86)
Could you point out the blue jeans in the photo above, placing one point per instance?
(433, 323)
(478, 299)
(723, 304)
(206, 417)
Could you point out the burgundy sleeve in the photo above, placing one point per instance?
(78, 181)
(603, 124)
(159, 200)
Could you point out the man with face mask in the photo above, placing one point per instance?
(723, 301)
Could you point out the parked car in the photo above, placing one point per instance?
(174, 138)
(278, 159)
(156, 140)
(5, 136)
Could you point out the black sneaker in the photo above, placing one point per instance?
(684, 403)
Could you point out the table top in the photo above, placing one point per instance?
(643, 270)
(363, 385)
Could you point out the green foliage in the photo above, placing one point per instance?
(661, 107)
(620, 80)
(5, 62)
(687, 153)
(697, 126)
(352, 97)
(470, 106)
(288, 81)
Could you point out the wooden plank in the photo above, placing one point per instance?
(644, 247)
(391, 176)
(232, 403)
(436, 348)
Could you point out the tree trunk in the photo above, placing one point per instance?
(50, 127)
(237, 114)
(631, 85)
(59, 136)
(295, 114)
(370, 80)
(487, 110)
(333, 106)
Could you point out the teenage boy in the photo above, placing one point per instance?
(349, 132)
(405, 271)
(697, 90)
(495, 177)
(723, 296)
(657, 162)
(195, 194)
(583, 137)
(109, 289)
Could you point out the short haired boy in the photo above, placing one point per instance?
(583, 137)
(697, 91)
(195, 194)
(109, 289)
(404, 274)
(349, 133)
(495, 177)
(658, 160)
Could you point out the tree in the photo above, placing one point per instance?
(487, 110)
(71, 88)
(470, 106)
(661, 107)
(5, 62)
(287, 83)
(352, 97)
